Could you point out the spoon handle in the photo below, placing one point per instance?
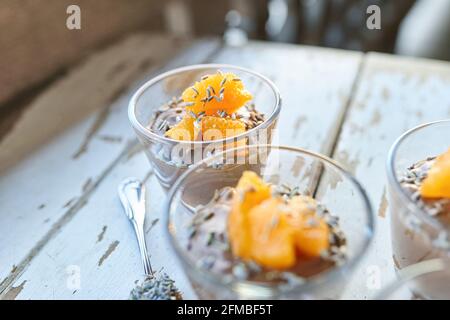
(132, 195)
(143, 249)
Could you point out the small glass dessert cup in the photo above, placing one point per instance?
(334, 231)
(419, 225)
(414, 278)
(158, 106)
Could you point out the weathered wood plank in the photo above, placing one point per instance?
(100, 242)
(110, 267)
(40, 194)
(94, 84)
(315, 85)
(393, 95)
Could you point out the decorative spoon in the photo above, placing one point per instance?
(156, 285)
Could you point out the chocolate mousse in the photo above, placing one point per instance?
(265, 233)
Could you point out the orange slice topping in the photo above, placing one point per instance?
(185, 130)
(215, 128)
(253, 191)
(272, 239)
(312, 235)
(272, 231)
(208, 104)
(216, 93)
(437, 182)
(207, 128)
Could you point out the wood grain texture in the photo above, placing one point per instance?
(315, 86)
(393, 95)
(54, 183)
(88, 228)
(307, 100)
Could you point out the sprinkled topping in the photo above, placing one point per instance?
(219, 95)
(412, 180)
(196, 91)
(156, 287)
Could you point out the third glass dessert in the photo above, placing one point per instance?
(409, 286)
(419, 189)
(188, 114)
(280, 223)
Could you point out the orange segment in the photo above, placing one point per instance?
(272, 231)
(212, 128)
(311, 242)
(311, 232)
(251, 190)
(279, 230)
(237, 225)
(437, 182)
(184, 130)
(215, 128)
(215, 93)
(272, 238)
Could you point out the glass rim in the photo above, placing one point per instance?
(412, 272)
(152, 135)
(393, 179)
(311, 282)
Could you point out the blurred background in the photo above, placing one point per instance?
(36, 48)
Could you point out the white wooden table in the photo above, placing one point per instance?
(62, 158)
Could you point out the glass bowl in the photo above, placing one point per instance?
(416, 280)
(416, 235)
(312, 174)
(169, 157)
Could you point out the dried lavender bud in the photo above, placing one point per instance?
(240, 271)
(209, 216)
(156, 287)
(207, 262)
(412, 180)
(192, 232)
(211, 238)
(192, 114)
(211, 89)
(254, 267)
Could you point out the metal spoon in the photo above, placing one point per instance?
(155, 286)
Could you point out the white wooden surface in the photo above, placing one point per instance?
(39, 244)
(392, 95)
(56, 180)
